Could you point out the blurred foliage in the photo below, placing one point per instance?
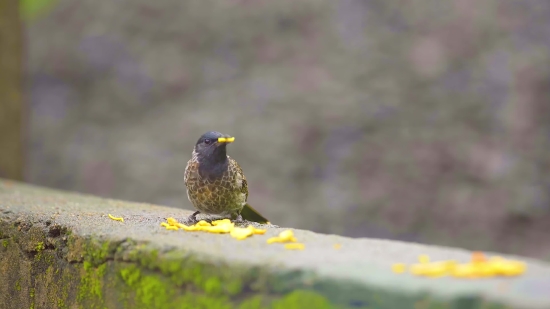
(31, 9)
(11, 108)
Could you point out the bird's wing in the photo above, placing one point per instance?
(191, 171)
(247, 213)
(240, 176)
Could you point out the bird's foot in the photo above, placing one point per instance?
(239, 220)
(192, 219)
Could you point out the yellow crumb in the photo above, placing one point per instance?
(295, 246)
(217, 227)
(187, 227)
(478, 257)
(226, 139)
(337, 246)
(436, 269)
(256, 231)
(273, 240)
(284, 236)
(399, 268)
(424, 258)
(172, 221)
(478, 267)
(116, 218)
(203, 223)
(220, 222)
(241, 233)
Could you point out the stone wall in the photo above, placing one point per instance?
(61, 250)
(424, 120)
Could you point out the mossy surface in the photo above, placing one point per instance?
(149, 279)
(91, 282)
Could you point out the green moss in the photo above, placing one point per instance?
(212, 279)
(151, 292)
(66, 280)
(97, 252)
(302, 299)
(90, 289)
(212, 286)
(5, 243)
(255, 302)
(39, 246)
(31, 295)
(233, 287)
(18, 285)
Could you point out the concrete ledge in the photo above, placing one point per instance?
(60, 250)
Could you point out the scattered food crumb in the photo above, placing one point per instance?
(295, 246)
(241, 233)
(424, 259)
(217, 227)
(284, 236)
(171, 221)
(478, 257)
(203, 223)
(337, 246)
(221, 222)
(287, 236)
(116, 218)
(478, 267)
(399, 268)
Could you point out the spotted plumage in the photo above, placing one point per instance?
(215, 182)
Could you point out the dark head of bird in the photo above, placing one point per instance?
(212, 153)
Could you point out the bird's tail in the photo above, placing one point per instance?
(251, 214)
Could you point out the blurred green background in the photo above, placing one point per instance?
(425, 121)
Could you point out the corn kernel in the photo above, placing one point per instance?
(241, 233)
(172, 221)
(116, 218)
(424, 259)
(399, 268)
(203, 223)
(220, 222)
(295, 246)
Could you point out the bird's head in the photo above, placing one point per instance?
(212, 145)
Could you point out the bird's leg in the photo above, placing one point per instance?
(193, 218)
(238, 219)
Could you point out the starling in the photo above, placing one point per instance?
(215, 182)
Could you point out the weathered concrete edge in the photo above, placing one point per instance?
(58, 268)
(66, 270)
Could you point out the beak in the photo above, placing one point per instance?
(226, 139)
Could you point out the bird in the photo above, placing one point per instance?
(215, 182)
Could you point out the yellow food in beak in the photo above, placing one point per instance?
(226, 139)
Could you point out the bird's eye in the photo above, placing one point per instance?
(208, 141)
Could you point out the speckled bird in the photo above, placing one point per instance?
(215, 182)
